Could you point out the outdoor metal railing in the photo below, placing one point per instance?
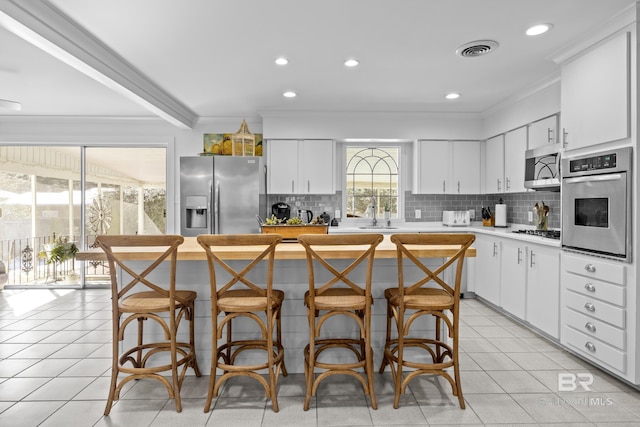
(25, 267)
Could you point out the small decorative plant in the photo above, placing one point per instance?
(58, 251)
(273, 220)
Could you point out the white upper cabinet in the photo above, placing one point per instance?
(446, 167)
(301, 166)
(515, 145)
(282, 166)
(494, 165)
(431, 167)
(595, 95)
(466, 167)
(543, 132)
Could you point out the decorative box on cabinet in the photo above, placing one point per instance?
(594, 310)
(301, 166)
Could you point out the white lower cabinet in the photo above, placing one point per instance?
(543, 289)
(488, 268)
(522, 278)
(513, 284)
(594, 310)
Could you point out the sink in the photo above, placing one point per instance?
(377, 227)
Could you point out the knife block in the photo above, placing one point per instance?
(490, 222)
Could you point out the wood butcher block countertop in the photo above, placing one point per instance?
(190, 250)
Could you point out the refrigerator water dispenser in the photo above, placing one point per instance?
(196, 211)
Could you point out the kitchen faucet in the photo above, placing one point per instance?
(373, 209)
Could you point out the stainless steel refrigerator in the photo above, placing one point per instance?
(219, 195)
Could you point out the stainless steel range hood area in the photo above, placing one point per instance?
(542, 168)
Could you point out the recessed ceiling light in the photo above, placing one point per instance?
(351, 63)
(289, 94)
(282, 61)
(536, 30)
(452, 95)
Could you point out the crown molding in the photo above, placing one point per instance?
(626, 17)
(539, 86)
(48, 28)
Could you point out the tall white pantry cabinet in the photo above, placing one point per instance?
(599, 317)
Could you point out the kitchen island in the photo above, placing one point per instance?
(290, 275)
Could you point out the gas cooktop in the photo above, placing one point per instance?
(550, 234)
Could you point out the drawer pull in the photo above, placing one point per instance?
(590, 268)
(590, 307)
(590, 327)
(590, 287)
(590, 346)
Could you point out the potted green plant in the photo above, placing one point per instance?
(57, 252)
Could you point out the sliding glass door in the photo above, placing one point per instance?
(45, 216)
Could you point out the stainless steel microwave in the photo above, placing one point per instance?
(542, 168)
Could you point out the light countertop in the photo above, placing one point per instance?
(190, 250)
(438, 227)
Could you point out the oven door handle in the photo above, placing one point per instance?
(594, 178)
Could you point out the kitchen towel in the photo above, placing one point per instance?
(501, 215)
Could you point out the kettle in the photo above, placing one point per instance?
(305, 215)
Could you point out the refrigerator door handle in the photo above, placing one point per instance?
(211, 213)
(216, 209)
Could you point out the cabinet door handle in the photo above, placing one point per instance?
(590, 268)
(519, 255)
(590, 287)
(308, 186)
(532, 259)
(508, 182)
(549, 135)
(498, 183)
(458, 187)
(495, 250)
(565, 137)
(590, 327)
(590, 346)
(292, 184)
(444, 186)
(590, 307)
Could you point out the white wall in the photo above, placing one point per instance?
(405, 126)
(124, 131)
(526, 108)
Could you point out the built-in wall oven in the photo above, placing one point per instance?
(596, 203)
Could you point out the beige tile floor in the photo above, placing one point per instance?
(55, 361)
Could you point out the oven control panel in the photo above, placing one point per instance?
(604, 161)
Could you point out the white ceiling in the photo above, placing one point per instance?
(216, 58)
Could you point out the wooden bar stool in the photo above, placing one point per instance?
(137, 298)
(339, 296)
(408, 302)
(241, 297)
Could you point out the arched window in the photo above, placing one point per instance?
(372, 182)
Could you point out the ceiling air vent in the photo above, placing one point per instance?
(476, 48)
